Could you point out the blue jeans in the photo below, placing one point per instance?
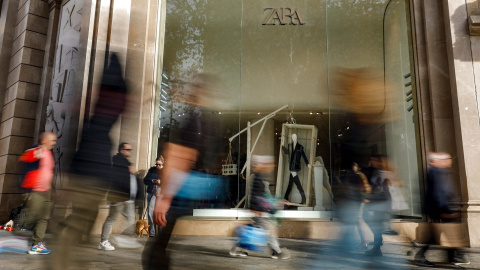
(150, 206)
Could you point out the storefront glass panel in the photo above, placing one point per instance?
(274, 65)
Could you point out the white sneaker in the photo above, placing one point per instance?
(105, 245)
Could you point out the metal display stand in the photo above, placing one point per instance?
(306, 136)
(250, 149)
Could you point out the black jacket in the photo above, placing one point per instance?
(151, 175)
(120, 179)
(439, 193)
(258, 199)
(296, 154)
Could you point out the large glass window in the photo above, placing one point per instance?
(276, 67)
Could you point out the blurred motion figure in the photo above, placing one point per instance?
(90, 169)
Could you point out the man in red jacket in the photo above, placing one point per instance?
(39, 178)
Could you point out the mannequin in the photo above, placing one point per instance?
(296, 153)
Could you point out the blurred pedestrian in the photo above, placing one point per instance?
(191, 153)
(260, 205)
(90, 170)
(152, 181)
(439, 203)
(376, 211)
(121, 195)
(40, 165)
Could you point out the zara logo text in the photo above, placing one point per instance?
(283, 16)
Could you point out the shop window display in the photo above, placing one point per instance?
(262, 67)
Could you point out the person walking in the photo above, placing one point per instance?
(193, 150)
(40, 165)
(439, 205)
(263, 167)
(152, 181)
(121, 195)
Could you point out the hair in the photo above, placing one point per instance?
(45, 135)
(436, 156)
(122, 146)
(160, 158)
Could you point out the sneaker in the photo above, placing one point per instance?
(282, 255)
(423, 262)
(238, 253)
(460, 259)
(105, 245)
(38, 249)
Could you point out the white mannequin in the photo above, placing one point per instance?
(294, 141)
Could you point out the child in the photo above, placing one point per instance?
(263, 166)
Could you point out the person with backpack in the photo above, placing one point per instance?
(38, 179)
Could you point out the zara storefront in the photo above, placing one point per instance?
(275, 65)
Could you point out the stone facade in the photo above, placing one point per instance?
(43, 73)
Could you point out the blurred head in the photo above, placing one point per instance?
(439, 159)
(294, 137)
(364, 93)
(159, 162)
(263, 164)
(204, 91)
(48, 140)
(376, 162)
(125, 149)
(355, 167)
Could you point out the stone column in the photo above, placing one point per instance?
(8, 10)
(48, 62)
(464, 59)
(21, 96)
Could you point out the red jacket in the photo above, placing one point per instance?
(31, 158)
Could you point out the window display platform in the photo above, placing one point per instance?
(244, 213)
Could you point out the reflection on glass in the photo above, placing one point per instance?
(263, 66)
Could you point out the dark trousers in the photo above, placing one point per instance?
(375, 220)
(154, 255)
(294, 179)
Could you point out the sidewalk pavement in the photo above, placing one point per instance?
(211, 252)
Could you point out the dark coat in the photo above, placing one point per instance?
(120, 179)
(151, 175)
(296, 154)
(258, 198)
(439, 193)
(93, 159)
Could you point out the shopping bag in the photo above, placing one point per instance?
(252, 238)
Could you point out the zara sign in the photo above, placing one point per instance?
(282, 16)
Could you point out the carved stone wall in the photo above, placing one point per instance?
(61, 90)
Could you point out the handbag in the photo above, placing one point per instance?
(398, 200)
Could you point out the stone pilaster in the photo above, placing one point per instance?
(21, 96)
(464, 60)
(48, 62)
(8, 20)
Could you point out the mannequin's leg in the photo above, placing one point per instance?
(300, 189)
(289, 188)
